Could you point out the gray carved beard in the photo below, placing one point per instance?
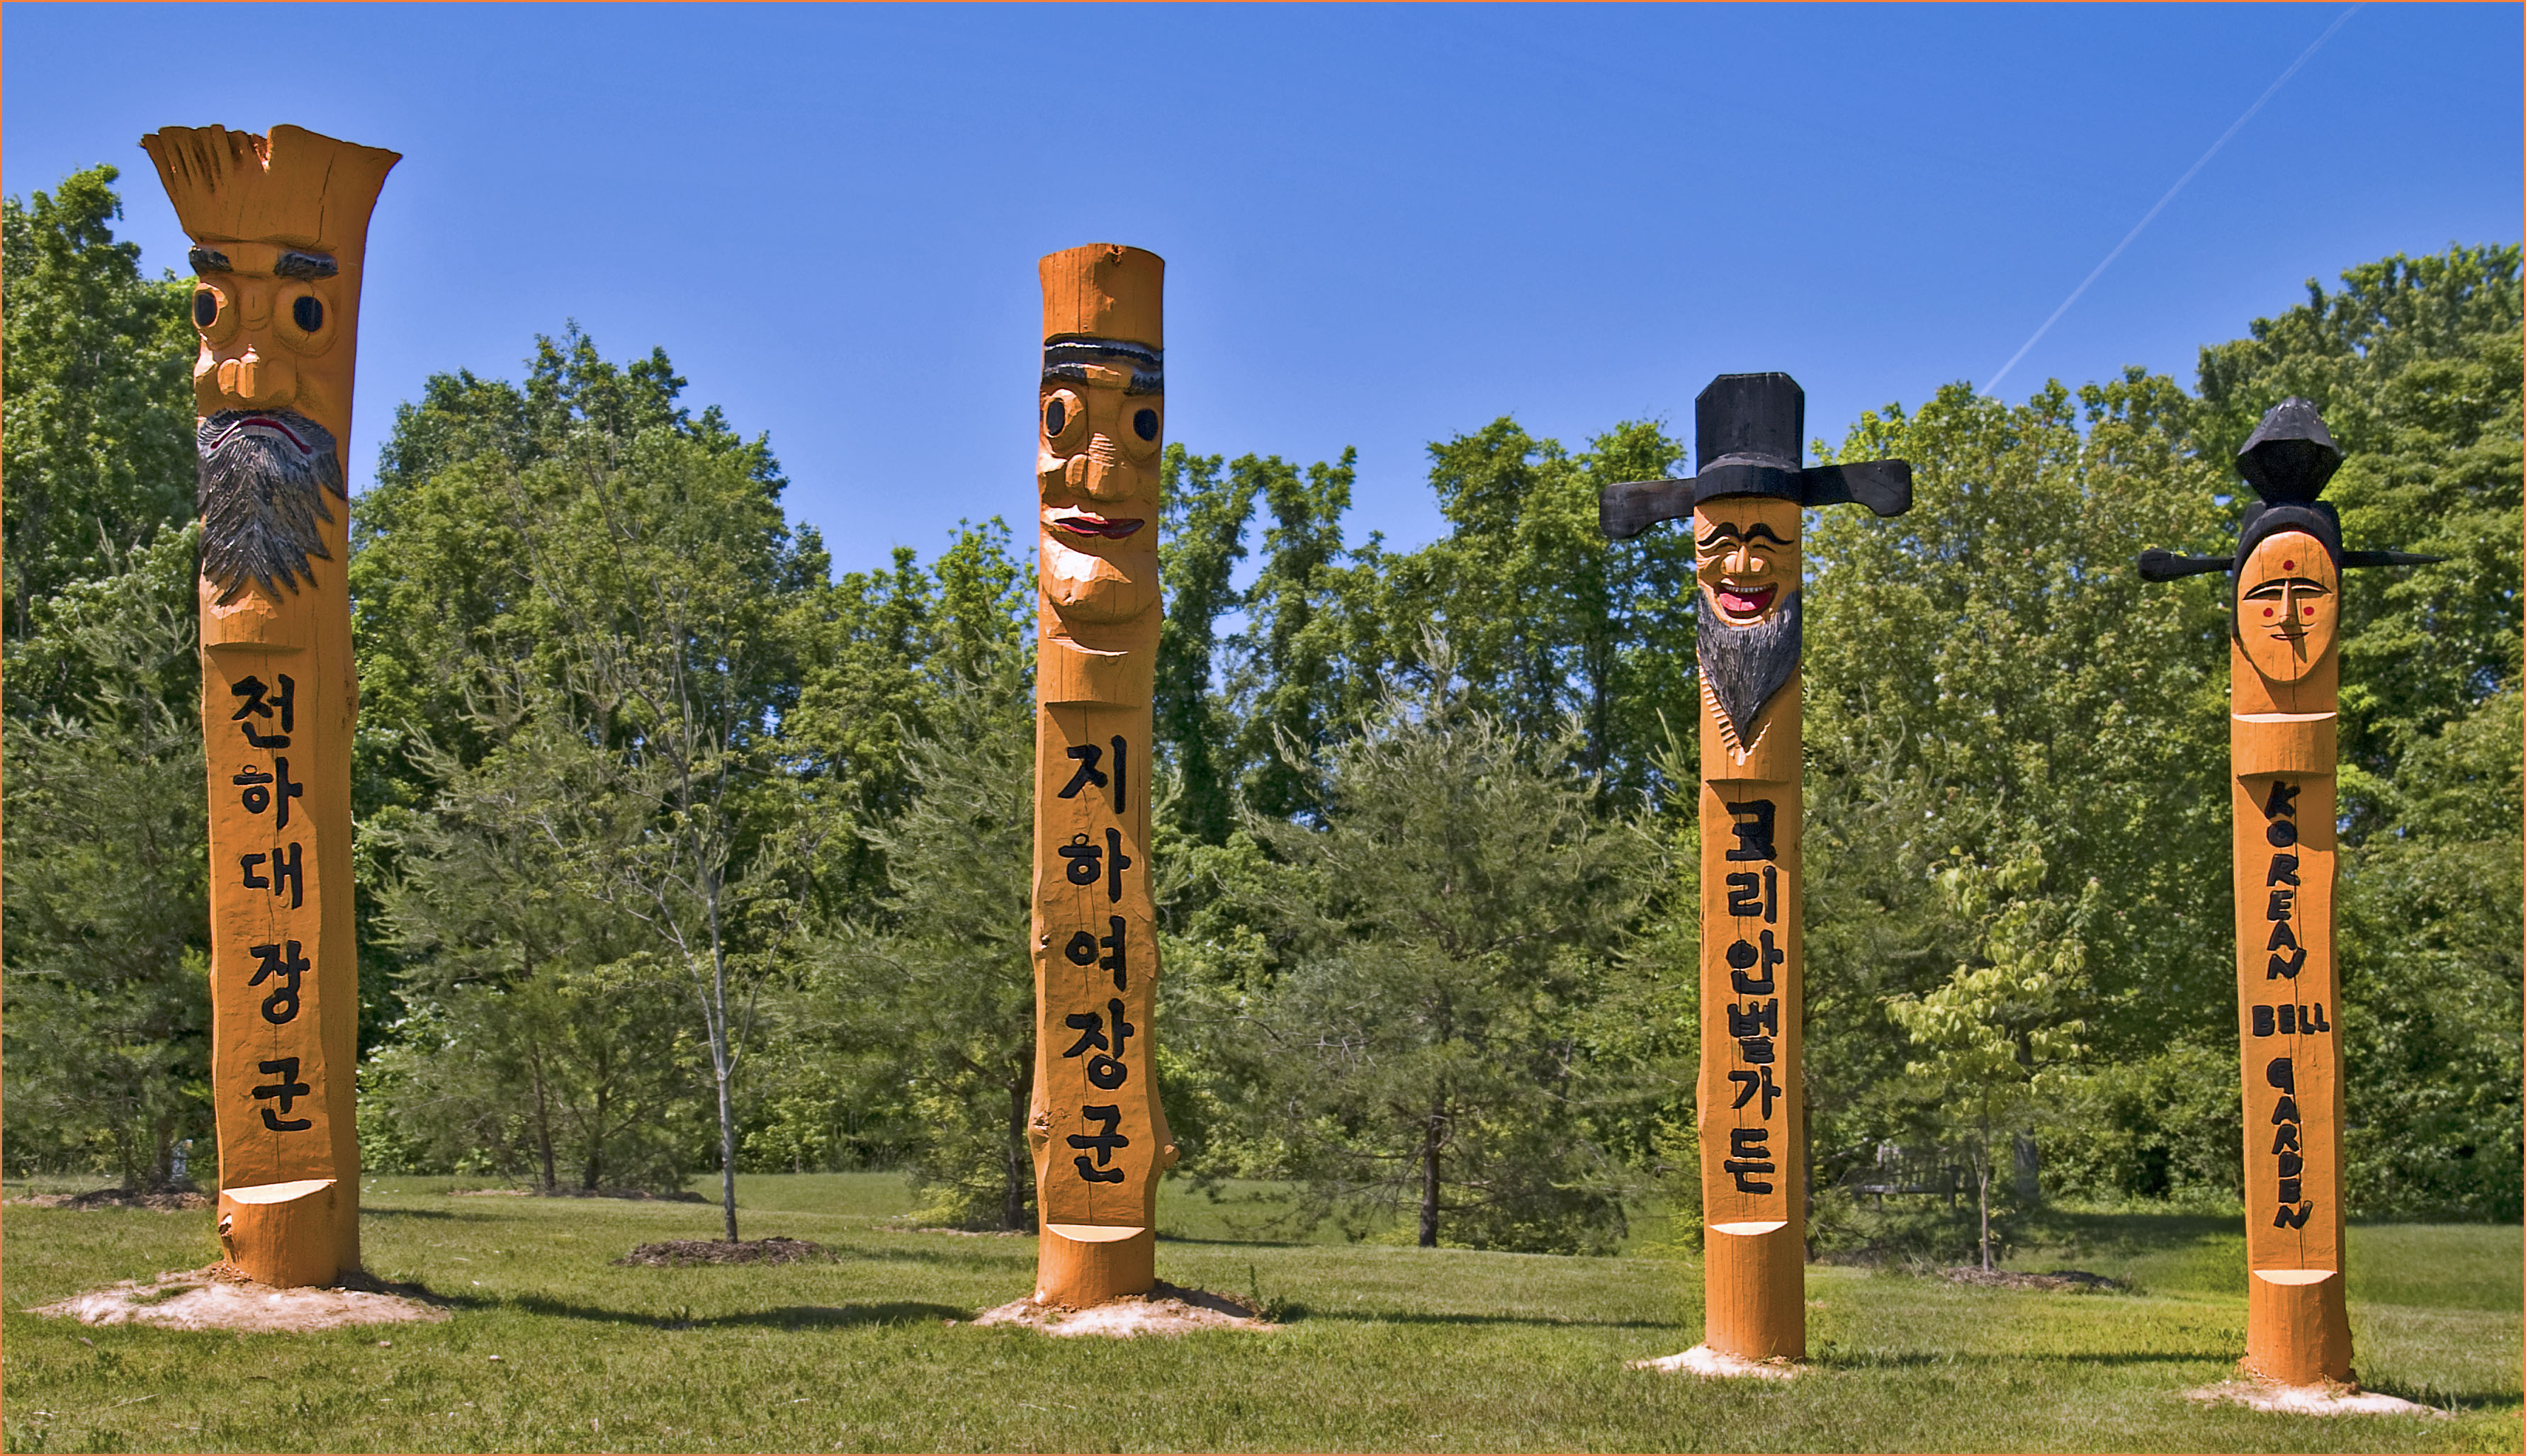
(1745, 665)
(262, 497)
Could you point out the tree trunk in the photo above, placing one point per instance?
(544, 1128)
(1019, 1158)
(1982, 1187)
(1430, 1177)
(722, 1072)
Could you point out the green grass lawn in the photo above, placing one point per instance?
(1392, 1348)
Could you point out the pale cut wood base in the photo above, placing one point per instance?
(1084, 1271)
(289, 1234)
(2297, 1333)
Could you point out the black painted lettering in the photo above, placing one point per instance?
(2284, 870)
(2283, 800)
(1087, 773)
(1751, 821)
(284, 965)
(286, 1091)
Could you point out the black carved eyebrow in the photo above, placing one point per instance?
(296, 265)
(2304, 583)
(1757, 532)
(207, 261)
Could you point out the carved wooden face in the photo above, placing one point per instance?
(2289, 605)
(1096, 469)
(1745, 554)
(269, 316)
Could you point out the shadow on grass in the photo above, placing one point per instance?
(2426, 1394)
(1371, 1317)
(786, 1317)
(2152, 1357)
(370, 1210)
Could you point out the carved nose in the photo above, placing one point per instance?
(1105, 477)
(254, 379)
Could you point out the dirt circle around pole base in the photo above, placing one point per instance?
(1165, 1310)
(1703, 1360)
(221, 1297)
(2308, 1400)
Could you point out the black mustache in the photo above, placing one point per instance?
(263, 475)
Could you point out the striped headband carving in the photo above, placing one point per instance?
(1066, 357)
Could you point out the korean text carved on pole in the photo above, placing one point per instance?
(279, 227)
(1743, 507)
(1099, 1136)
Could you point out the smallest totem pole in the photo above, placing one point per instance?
(2284, 668)
(1749, 1105)
(279, 226)
(1100, 1138)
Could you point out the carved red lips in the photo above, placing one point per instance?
(1745, 603)
(1096, 525)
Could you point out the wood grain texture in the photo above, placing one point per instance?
(1100, 1137)
(279, 698)
(2283, 681)
(1749, 1109)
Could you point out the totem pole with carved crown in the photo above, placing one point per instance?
(1744, 509)
(2284, 703)
(279, 226)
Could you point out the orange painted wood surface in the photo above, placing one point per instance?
(268, 215)
(1099, 1135)
(1750, 1111)
(2284, 681)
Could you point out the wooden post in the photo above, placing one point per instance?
(1750, 1106)
(279, 224)
(1101, 1139)
(2283, 701)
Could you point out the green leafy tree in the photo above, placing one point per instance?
(1203, 539)
(98, 440)
(936, 997)
(107, 902)
(1448, 930)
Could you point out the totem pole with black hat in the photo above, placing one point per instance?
(1745, 507)
(2283, 708)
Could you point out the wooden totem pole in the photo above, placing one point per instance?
(1745, 506)
(2285, 669)
(278, 226)
(1101, 1139)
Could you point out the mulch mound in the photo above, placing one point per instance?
(676, 1253)
(2076, 1280)
(173, 1200)
(1166, 1309)
(2327, 1399)
(220, 1297)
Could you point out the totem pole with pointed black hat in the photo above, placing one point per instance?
(1745, 506)
(2283, 708)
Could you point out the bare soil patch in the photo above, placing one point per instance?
(677, 1253)
(1166, 1309)
(2327, 1399)
(220, 1297)
(1703, 1360)
(2076, 1281)
(169, 1200)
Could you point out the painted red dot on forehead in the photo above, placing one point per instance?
(2289, 566)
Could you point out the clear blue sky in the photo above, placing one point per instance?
(1383, 226)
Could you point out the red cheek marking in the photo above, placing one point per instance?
(2306, 611)
(2267, 611)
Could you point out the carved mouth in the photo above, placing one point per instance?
(260, 424)
(1745, 603)
(1096, 525)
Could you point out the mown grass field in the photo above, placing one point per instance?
(1393, 1348)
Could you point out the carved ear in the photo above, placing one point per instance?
(2169, 565)
(1625, 511)
(1884, 486)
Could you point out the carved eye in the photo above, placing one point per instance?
(299, 318)
(206, 307)
(1145, 424)
(1065, 422)
(307, 310)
